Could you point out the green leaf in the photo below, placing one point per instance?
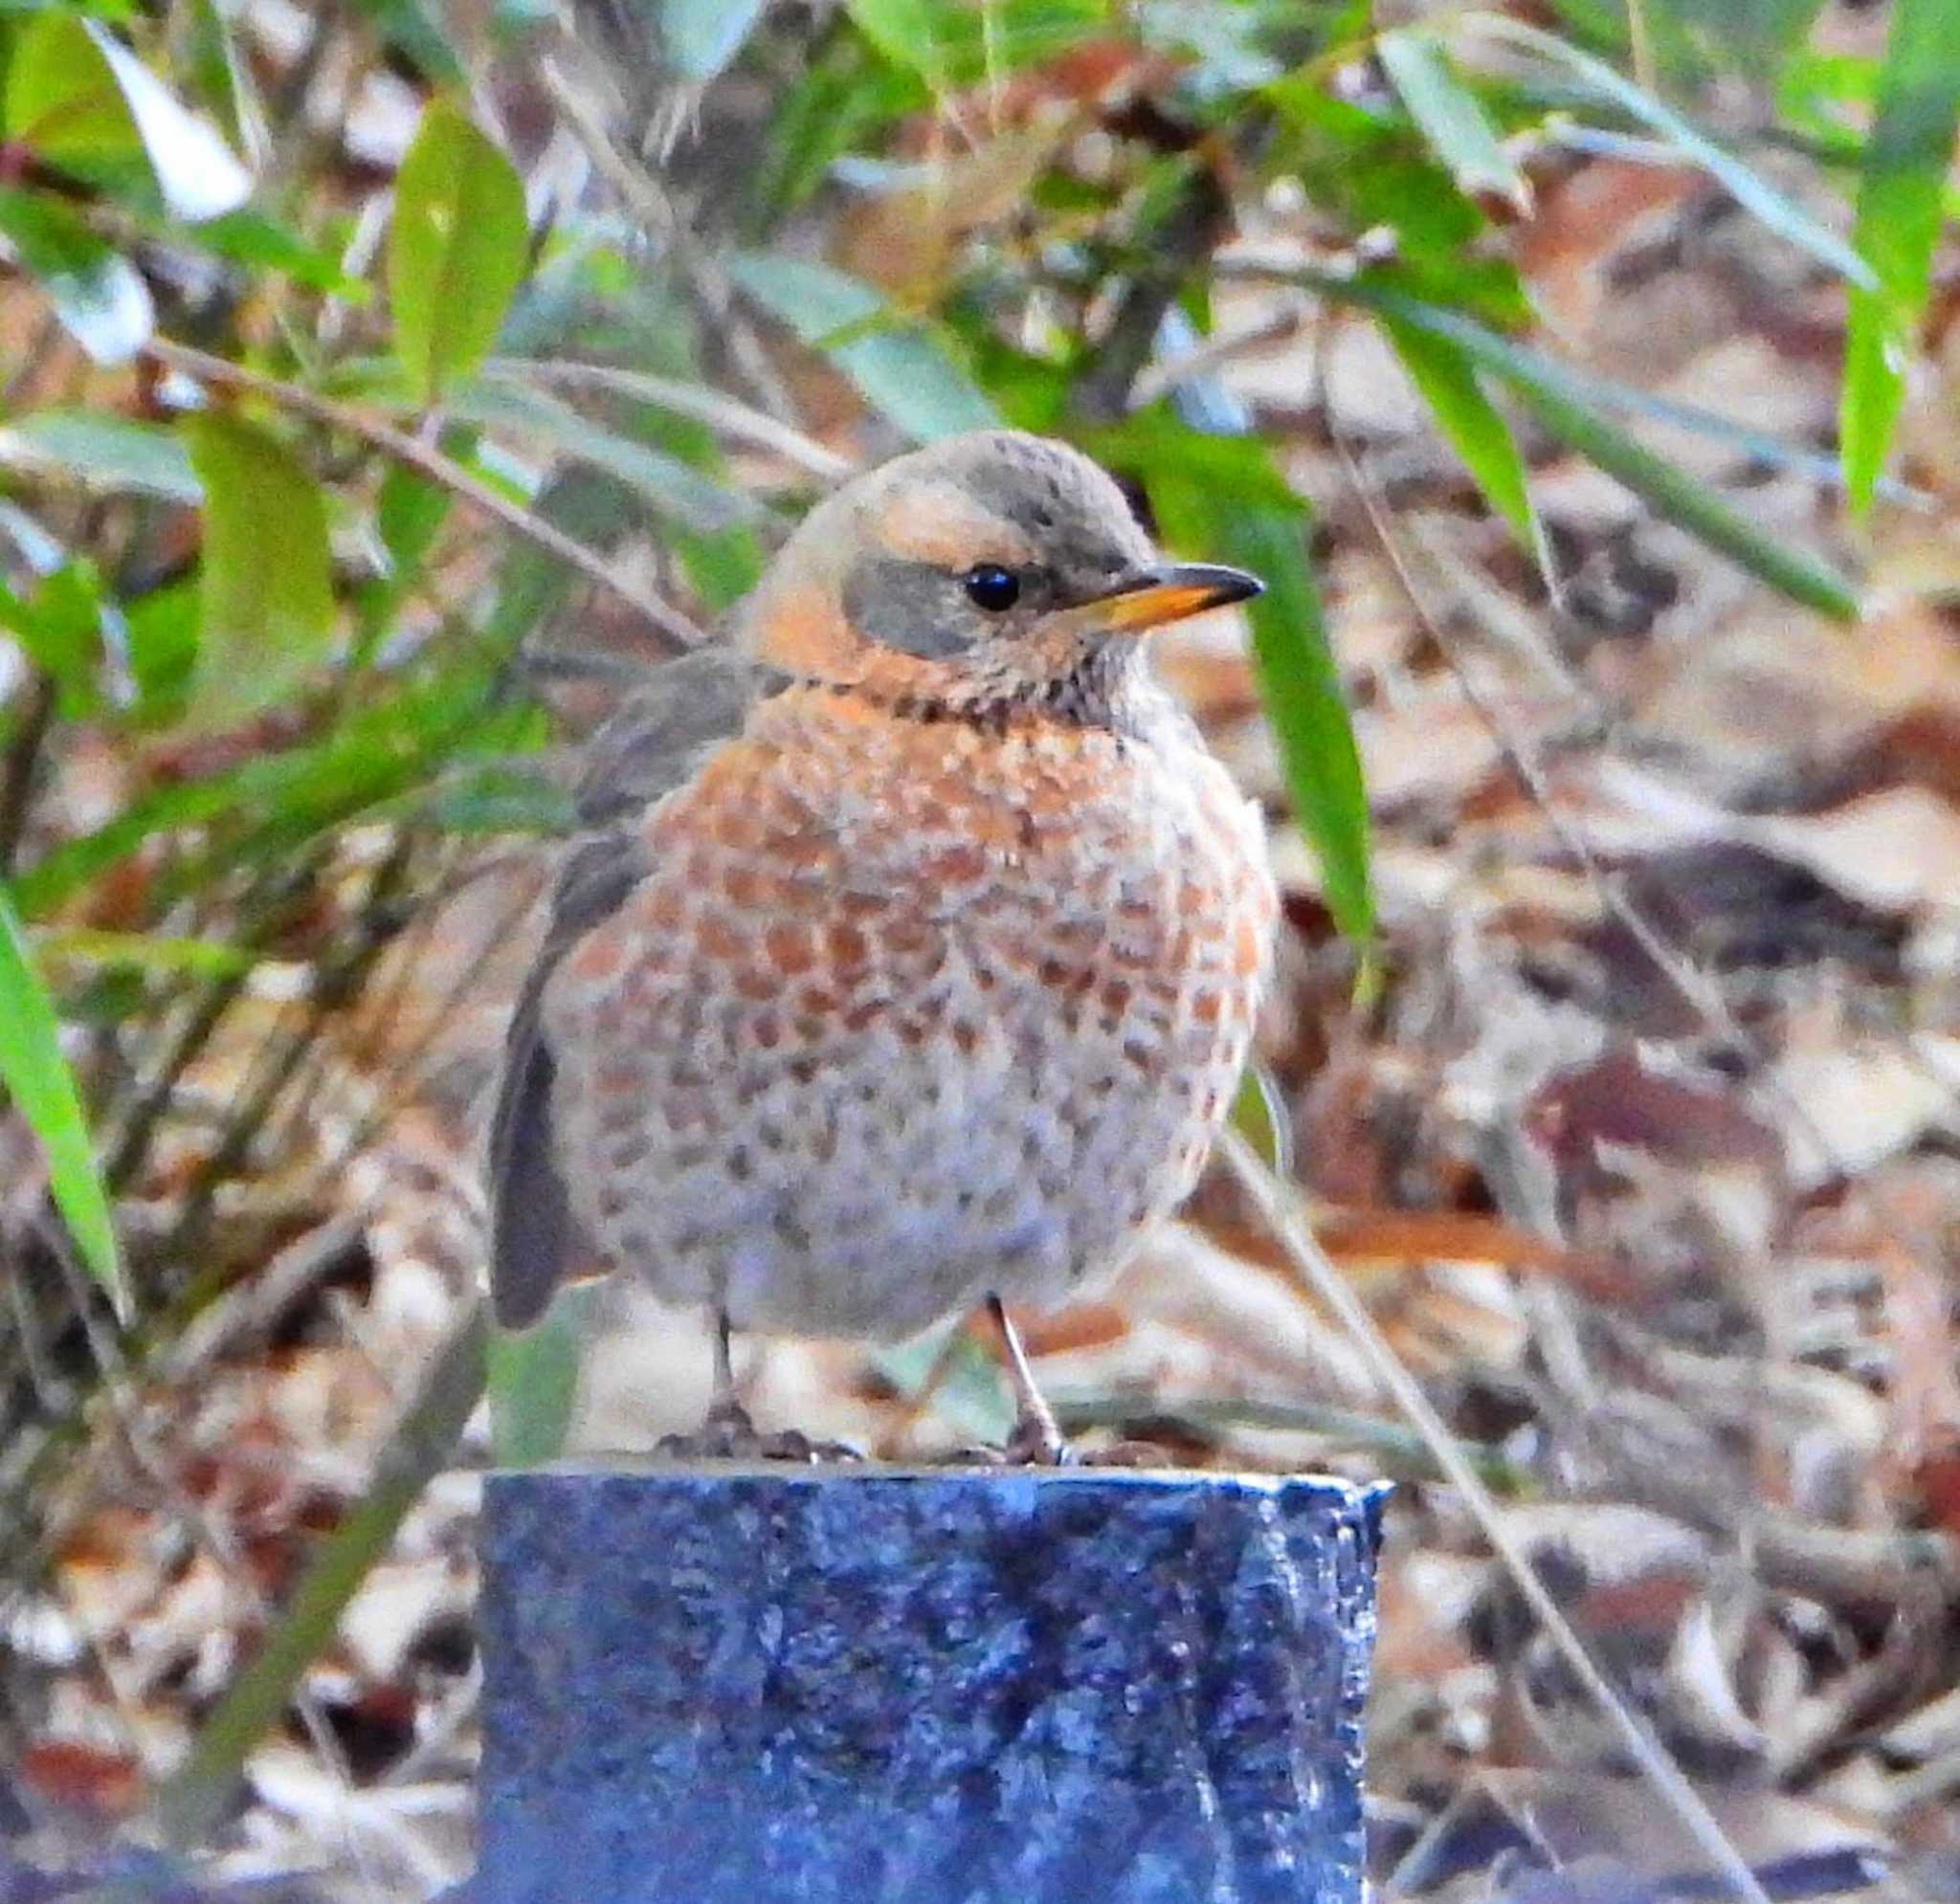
(509, 402)
(415, 30)
(903, 373)
(103, 451)
(1562, 402)
(60, 630)
(253, 238)
(903, 31)
(956, 45)
(146, 951)
(1906, 160)
(534, 1379)
(1747, 187)
(1259, 1115)
(266, 602)
(456, 248)
(1448, 383)
(409, 512)
(1689, 503)
(38, 1078)
(78, 97)
(1455, 124)
(97, 293)
(1224, 501)
(702, 36)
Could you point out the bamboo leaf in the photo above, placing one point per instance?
(78, 97)
(1563, 404)
(266, 600)
(1451, 119)
(97, 293)
(1688, 502)
(1448, 383)
(456, 248)
(903, 372)
(674, 490)
(1906, 159)
(1749, 190)
(534, 1379)
(1226, 500)
(103, 451)
(37, 1079)
(703, 37)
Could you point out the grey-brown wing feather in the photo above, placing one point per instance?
(645, 750)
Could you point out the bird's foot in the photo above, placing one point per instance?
(1038, 1443)
(727, 1434)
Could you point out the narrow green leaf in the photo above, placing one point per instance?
(1689, 503)
(902, 31)
(947, 45)
(1906, 160)
(60, 630)
(97, 293)
(103, 451)
(1453, 121)
(266, 602)
(1259, 1115)
(456, 248)
(1563, 401)
(36, 1078)
(193, 1801)
(1448, 383)
(904, 374)
(673, 489)
(251, 237)
(1747, 187)
(702, 36)
(534, 1379)
(203, 957)
(1203, 510)
(78, 97)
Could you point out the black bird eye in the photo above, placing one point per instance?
(993, 587)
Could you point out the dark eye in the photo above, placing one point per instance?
(993, 587)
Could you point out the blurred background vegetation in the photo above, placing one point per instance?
(385, 385)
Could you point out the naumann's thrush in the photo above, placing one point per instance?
(913, 951)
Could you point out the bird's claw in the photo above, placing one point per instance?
(1038, 1443)
(727, 1433)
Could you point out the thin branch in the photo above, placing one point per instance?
(675, 628)
(1279, 1210)
(18, 770)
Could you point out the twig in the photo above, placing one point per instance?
(1279, 1210)
(17, 773)
(675, 629)
(1195, 223)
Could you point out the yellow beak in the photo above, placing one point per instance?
(1167, 593)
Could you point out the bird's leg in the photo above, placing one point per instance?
(727, 1433)
(726, 1419)
(1036, 1438)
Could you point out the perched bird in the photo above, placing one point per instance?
(914, 950)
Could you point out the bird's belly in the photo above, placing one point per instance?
(932, 1072)
(874, 1188)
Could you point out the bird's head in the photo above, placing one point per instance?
(986, 571)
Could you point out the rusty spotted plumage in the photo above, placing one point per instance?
(930, 981)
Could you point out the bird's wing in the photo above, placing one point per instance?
(643, 752)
